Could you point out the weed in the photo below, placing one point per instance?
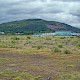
(60, 46)
(28, 37)
(48, 38)
(62, 37)
(16, 75)
(78, 45)
(57, 49)
(39, 46)
(72, 37)
(15, 38)
(13, 41)
(67, 52)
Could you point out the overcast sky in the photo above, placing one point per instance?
(66, 11)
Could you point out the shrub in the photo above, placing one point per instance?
(62, 37)
(72, 37)
(13, 41)
(15, 38)
(48, 38)
(78, 45)
(78, 36)
(39, 47)
(67, 52)
(28, 37)
(57, 50)
(60, 46)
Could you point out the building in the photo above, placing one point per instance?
(44, 34)
(63, 33)
(75, 34)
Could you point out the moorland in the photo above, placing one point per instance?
(25, 57)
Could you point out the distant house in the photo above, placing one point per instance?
(44, 34)
(59, 33)
(63, 33)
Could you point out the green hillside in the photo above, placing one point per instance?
(30, 26)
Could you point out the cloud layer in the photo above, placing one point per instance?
(66, 11)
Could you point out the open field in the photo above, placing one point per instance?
(39, 58)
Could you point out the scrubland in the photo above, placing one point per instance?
(39, 57)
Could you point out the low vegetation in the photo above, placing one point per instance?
(67, 52)
(39, 58)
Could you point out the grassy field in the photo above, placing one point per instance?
(39, 58)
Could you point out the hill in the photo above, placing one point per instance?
(30, 26)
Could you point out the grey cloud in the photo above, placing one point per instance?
(67, 11)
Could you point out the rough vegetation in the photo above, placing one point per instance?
(39, 58)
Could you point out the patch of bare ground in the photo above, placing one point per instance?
(50, 67)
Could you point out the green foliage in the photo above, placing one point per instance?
(70, 76)
(39, 46)
(13, 41)
(15, 38)
(78, 36)
(16, 75)
(48, 38)
(28, 37)
(72, 37)
(62, 37)
(60, 46)
(57, 50)
(67, 52)
(78, 45)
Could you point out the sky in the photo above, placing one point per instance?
(65, 11)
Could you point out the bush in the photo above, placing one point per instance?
(28, 37)
(57, 50)
(48, 38)
(62, 37)
(78, 45)
(15, 38)
(78, 36)
(72, 37)
(60, 46)
(13, 41)
(67, 52)
(39, 47)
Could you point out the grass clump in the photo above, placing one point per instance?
(78, 36)
(16, 75)
(13, 41)
(28, 37)
(69, 76)
(48, 38)
(67, 52)
(55, 49)
(15, 38)
(60, 46)
(39, 46)
(78, 45)
(62, 37)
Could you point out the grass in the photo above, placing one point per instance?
(67, 51)
(39, 58)
(16, 75)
